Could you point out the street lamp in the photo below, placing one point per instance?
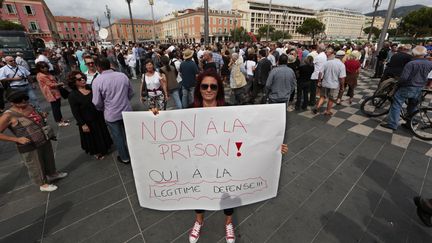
(376, 4)
(206, 22)
(151, 2)
(285, 15)
(108, 16)
(131, 19)
(268, 21)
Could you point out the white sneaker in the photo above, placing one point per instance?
(49, 188)
(229, 233)
(63, 124)
(195, 232)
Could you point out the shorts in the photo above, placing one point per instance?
(329, 93)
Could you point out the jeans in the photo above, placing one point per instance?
(133, 72)
(55, 106)
(31, 94)
(188, 96)
(118, 135)
(411, 94)
(302, 92)
(176, 96)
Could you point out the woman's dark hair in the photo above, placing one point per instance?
(220, 96)
(165, 62)
(40, 65)
(147, 61)
(71, 80)
(15, 96)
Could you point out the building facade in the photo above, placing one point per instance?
(379, 22)
(36, 17)
(342, 23)
(75, 31)
(283, 17)
(122, 30)
(187, 26)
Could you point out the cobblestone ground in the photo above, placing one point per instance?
(344, 180)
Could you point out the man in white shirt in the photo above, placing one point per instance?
(21, 62)
(331, 80)
(42, 58)
(319, 62)
(92, 72)
(18, 79)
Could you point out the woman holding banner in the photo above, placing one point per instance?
(209, 92)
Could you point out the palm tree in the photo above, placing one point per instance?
(131, 19)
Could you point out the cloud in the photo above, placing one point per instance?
(141, 9)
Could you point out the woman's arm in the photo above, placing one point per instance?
(164, 84)
(5, 121)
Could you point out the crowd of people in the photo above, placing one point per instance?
(96, 83)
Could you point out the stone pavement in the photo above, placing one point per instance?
(336, 185)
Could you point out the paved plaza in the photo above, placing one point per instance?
(343, 180)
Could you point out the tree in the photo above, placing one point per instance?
(311, 27)
(279, 35)
(240, 34)
(262, 31)
(418, 23)
(7, 25)
(375, 31)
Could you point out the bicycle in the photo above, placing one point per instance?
(420, 122)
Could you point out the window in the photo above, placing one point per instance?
(33, 25)
(68, 36)
(29, 10)
(220, 21)
(82, 36)
(79, 29)
(73, 29)
(75, 36)
(67, 29)
(11, 9)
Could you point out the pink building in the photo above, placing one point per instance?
(36, 17)
(75, 31)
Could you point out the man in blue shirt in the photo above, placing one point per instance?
(413, 78)
(189, 71)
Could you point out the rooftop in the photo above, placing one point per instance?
(71, 19)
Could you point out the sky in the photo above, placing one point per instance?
(141, 9)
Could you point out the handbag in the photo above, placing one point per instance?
(46, 129)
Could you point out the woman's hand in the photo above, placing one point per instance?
(284, 148)
(167, 97)
(23, 140)
(155, 111)
(142, 99)
(85, 128)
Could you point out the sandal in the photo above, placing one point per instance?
(328, 113)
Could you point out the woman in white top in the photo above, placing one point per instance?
(131, 62)
(153, 87)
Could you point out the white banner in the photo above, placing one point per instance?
(206, 158)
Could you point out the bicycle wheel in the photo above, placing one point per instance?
(376, 105)
(421, 123)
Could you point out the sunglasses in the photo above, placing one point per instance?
(89, 63)
(81, 79)
(213, 87)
